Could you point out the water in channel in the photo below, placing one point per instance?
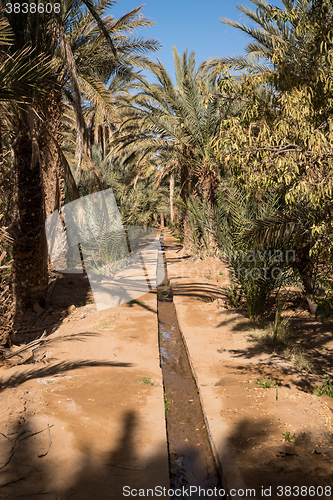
(191, 460)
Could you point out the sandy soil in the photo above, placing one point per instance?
(101, 427)
(247, 422)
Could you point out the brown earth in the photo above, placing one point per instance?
(248, 423)
(103, 428)
(95, 391)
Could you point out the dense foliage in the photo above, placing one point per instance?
(77, 117)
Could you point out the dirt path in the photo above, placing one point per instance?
(95, 393)
(106, 425)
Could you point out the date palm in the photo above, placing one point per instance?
(289, 47)
(176, 124)
(79, 42)
(275, 29)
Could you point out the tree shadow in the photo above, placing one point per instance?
(46, 371)
(252, 457)
(140, 303)
(32, 471)
(65, 290)
(202, 291)
(256, 457)
(69, 289)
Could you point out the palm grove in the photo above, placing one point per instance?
(237, 154)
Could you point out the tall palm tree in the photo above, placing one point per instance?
(275, 29)
(76, 40)
(289, 47)
(20, 73)
(176, 124)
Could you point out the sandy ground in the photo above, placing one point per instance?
(101, 427)
(247, 422)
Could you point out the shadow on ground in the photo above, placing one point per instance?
(32, 472)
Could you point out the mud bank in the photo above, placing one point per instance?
(191, 460)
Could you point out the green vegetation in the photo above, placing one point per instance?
(179, 236)
(287, 436)
(236, 156)
(108, 324)
(326, 388)
(266, 383)
(277, 338)
(167, 406)
(146, 380)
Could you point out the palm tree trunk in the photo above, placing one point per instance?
(51, 164)
(184, 192)
(1, 151)
(305, 267)
(53, 178)
(208, 188)
(172, 188)
(30, 278)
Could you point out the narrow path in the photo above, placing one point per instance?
(191, 459)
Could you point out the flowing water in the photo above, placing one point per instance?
(191, 460)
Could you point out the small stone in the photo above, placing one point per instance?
(71, 309)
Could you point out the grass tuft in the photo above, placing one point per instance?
(167, 406)
(266, 383)
(326, 388)
(287, 436)
(278, 338)
(146, 380)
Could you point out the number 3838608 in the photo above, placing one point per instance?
(32, 8)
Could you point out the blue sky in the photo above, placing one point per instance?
(191, 23)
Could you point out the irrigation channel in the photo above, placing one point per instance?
(191, 460)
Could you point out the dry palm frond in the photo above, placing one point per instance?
(67, 169)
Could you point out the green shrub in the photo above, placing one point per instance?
(326, 388)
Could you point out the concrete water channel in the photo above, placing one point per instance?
(191, 460)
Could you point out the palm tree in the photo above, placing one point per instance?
(74, 40)
(138, 202)
(276, 30)
(176, 125)
(289, 47)
(294, 229)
